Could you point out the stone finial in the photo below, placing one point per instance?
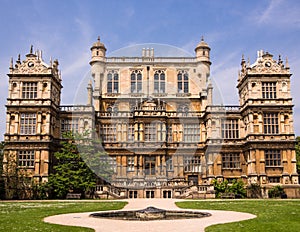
(31, 49)
(287, 63)
(19, 59)
(11, 66)
(202, 38)
(98, 38)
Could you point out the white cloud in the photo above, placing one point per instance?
(278, 13)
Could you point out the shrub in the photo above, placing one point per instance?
(276, 191)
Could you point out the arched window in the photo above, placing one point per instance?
(112, 82)
(183, 82)
(159, 82)
(136, 81)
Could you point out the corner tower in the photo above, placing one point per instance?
(32, 121)
(267, 112)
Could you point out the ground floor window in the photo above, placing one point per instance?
(274, 179)
(150, 194)
(167, 194)
(133, 194)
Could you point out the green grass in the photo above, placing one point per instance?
(28, 216)
(272, 215)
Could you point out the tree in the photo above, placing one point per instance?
(71, 173)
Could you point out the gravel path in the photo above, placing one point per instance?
(186, 225)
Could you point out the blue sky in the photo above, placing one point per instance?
(66, 30)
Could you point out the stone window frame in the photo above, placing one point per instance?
(231, 160)
(136, 81)
(192, 163)
(159, 81)
(26, 158)
(273, 158)
(274, 179)
(130, 163)
(112, 81)
(28, 124)
(230, 128)
(109, 132)
(29, 89)
(268, 90)
(271, 123)
(150, 132)
(169, 164)
(69, 125)
(182, 81)
(191, 132)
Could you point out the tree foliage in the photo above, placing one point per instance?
(71, 173)
(237, 188)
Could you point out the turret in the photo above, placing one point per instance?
(98, 52)
(98, 63)
(203, 51)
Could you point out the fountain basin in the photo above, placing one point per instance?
(150, 213)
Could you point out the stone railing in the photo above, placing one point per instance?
(76, 108)
(151, 59)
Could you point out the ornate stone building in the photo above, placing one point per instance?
(157, 122)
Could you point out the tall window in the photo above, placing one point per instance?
(272, 158)
(28, 124)
(29, 90)
(183, 82)
(150, 132)
(192, 163)
(112, 82)
(130, 163)
(150, 165)
(269, 90)
(109, 132)
(130, 135)
(230, 129)
(159, 82)
(68, 125)
(191, 132)
(136, 81)
(161, 131)
(231, 161)
(169, 164)
(271, 123)
(26, 159)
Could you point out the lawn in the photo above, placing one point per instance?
(28, 216)
(272, 215)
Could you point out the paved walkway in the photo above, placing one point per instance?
(186, 225)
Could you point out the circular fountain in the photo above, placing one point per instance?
(150, 213)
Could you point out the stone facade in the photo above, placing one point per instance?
(157, 122)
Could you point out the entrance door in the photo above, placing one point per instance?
(150, 165)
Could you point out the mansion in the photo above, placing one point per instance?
(157, 122)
